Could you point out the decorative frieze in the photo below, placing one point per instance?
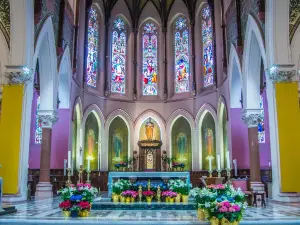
(19, 77)
(252, 117)
(281, 73)
(47, 119)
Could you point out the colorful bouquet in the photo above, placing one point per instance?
(121, 185)
(148, 193)
(84, 205)
(170, 194)
(65, 205)
(179, 186)
(129, 193)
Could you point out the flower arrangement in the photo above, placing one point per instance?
(84, 205)
(170, 194)
(179, 186)
(120, 186)
(65, 205)
(129, 193)
(148, 193)
(121, 165)
(178, 165)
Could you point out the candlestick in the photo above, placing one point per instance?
(219, 162)
(89, 164)
(210, 165)
(88, 177)
(69, 182)
(219, 172)
(69, 159)
(228, 160)
(228, 175)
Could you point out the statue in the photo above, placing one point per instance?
(149, 129)
(209, 141)
(135, 160)
(181, 144)
(117, 144)
(164, 159)
(91, 142)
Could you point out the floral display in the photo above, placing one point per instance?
(65, 205)
(129, 193)
(221, 202)
(170, 194)
(179, 186)
(120, 186)
(148, 193)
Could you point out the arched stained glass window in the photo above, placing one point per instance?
(93, 45)
(150, 59)
(38, 125)
(118, 60)
(181, 47)
(208, 51)
(261, 124)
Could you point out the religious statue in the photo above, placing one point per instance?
(164, 159)
(149, 129)
(135, 160)
(117, 144)
(181, 144)
(209, 141)
(91, 142)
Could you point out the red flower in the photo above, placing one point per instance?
(84, 205)
(65, 205)
(87, 185)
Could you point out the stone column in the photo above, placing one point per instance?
(251, 118)
(44, 187)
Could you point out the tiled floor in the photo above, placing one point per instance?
(47, 212)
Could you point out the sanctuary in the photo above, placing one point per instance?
(144, 94)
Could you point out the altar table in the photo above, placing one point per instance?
(147, 175)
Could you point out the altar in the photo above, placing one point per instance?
(154, 177)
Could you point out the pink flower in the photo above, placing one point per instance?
(80, 185)
(87, 185)
(231, 209)
(223, 209)
(226, 204)
(236, 208)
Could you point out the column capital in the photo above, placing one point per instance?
(251, 117)
(48, 118)
(281, 73)
(18, 74)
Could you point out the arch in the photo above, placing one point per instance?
(254, 51)
(206, 108)
(79, 103)
(235, 78)
(4, 57)
(155, 116)
(101, 121)
(45, 51)
(65, 75)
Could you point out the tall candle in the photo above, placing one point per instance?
(210, 166)
(219, 162)
(270, 164)
(80, 157)
(228, 160)
(89, 164)
(65, 165)
(69, 159)
(235, 167)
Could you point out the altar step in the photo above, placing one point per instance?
(104, 205)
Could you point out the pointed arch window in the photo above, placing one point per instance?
(118, 60)
(181, 48)
(93, 46)
(261, 124)
(38, 124)
(150, 71)
(208, 51)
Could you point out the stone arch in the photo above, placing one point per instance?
(206, 108)
(155, 116)
(45, 51)
(101, 121)
(254, 54)
(65, 75)
(235, 78)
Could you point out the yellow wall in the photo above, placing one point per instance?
(288, 115)
(10, 135)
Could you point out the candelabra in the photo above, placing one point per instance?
(219, 172)
(68, 182)
(88, 176)
(228, 175)
(80, 171)
(210, 173)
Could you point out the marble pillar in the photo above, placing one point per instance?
(44, 187)
(251, 118)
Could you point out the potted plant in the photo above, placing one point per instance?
(65, 206)
(74, 210)
(169, 196)
(130, 163)
(127, 195)
(85, 208)
(148, 195)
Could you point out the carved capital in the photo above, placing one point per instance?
(281, 73)
(19, 77)
(252, 117)
(47, 118)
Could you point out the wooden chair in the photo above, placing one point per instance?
(244, 186)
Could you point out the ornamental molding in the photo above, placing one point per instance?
(19, 77)
(252, 117)
(281, 73)
(47, 118)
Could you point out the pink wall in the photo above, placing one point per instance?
(60, 135)
(240, 146)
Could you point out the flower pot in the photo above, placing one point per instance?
(149, 199)
(66, 213)
(172, 200)
(128, 200)
(185, 198)
(74, 213)
(201, 214)
(178, 198)
(122, 199)
(132, 199)
(226, 222)
(84, 213)
(214, 221)
(167, 199)
(115, 198)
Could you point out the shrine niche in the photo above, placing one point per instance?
(150, 146)
(181, 143)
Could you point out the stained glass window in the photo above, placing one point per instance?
(118, 70)
(93, 45)
(38, 125)
(208, 52)
(150, 59)
(181, 47)
(261, 125)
